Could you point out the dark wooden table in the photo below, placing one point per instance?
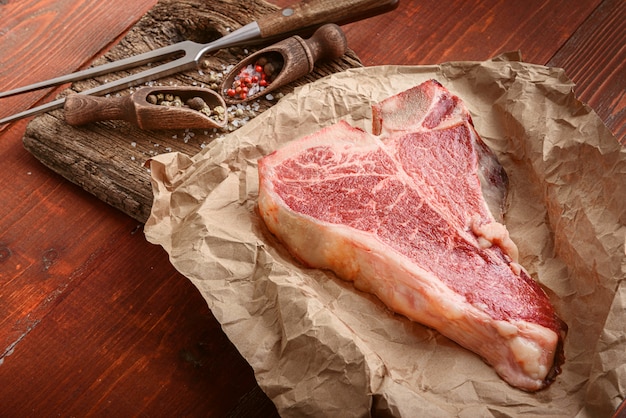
(93, 319)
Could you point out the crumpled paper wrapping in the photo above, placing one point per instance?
(321, 348)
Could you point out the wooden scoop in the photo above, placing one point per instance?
(141, 108)
(291, 58)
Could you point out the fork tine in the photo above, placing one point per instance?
(132, 80)
(151, 74)
(123, 64)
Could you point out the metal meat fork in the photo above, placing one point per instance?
(303, 16)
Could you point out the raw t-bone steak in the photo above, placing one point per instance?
(408, 215)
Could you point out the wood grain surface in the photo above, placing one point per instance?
(94, 321)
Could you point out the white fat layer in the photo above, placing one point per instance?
(529, 349)
(516, 268)
(526, 353)
(506, 329)
(494, 233)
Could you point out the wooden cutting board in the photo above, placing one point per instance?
(108, 158)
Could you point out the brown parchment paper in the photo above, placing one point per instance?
(320, 348)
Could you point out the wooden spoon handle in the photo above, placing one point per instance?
(81, 109)
(327, 43)
(311, 13)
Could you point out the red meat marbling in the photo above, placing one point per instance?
(413, 215)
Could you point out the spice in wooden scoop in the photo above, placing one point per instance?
(279, 64)
(218, 113)
(152, 108)
(254, 78)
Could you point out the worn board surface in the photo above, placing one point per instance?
(107, 158)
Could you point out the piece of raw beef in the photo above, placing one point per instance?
(404, 215)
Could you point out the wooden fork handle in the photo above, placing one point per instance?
(312, 13)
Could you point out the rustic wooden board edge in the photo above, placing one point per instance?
(107, 159)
